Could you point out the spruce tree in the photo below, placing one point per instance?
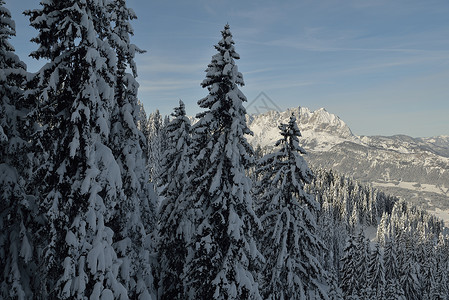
(428, 265)
(393, 288)
(224, 251)
(174, 222)
(391, 260)
(78, 177)
(349, 280)
(142, 125)
(335, 292)
(134, 216)
(291, 243)
(439, 288)
(408, 265)
(17, 254)
(154, 146)
(362, 260)
(164, 134)
(376, 274)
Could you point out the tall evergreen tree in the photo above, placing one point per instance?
(335, 292)
(393, 288)
(376, 274)
(78, 177)
(348, 273)
(362, 260)
(134, 217)
(224, 250)
(17, 260)
(409, 267)
(291, 243)
(154, 146)
(390, 260)
(174, 222)
(142, 125)
(439, 288)
(164, 134)
(427, 261)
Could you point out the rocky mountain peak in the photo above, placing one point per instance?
(320, 129)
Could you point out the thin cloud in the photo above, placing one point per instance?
(280, 83)
(322, 46)
(257, 71)
(261, 14)
(377, 66)
(167, 85)
(164, 65)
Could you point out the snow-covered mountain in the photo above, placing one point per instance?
(414, 169)
(320, 129)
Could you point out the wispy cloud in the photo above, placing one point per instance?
(261, 14)
(262, 70)
(166, 65)
(280, 83)
(322, 45)
(167, 85)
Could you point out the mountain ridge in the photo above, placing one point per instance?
(414, 169)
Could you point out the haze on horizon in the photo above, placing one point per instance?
(381, 66)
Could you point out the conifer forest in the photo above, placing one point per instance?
(100, 201)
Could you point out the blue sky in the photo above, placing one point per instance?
(380, 65)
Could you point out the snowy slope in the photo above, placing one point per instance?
(439, 144)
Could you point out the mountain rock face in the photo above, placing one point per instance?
(320, 130)
(414, 169)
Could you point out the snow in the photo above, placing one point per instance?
(415, 186)
(216, 180)
(8, 175)
(442, 214)
(319, 127)
(107, 294)
(26, 251)
(370, 233)
(71, 239)
(75, 143)
(54, 80)
(91, 218)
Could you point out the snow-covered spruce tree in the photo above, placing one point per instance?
(408, 265)
(428, 264)
(134, 216)
(164, 135)
(142, 125)
(393, 288)
(376, 274)
(154, 146)
(17, 260)
(224, 250)
(174, 221)
(439, 287)
(291, 244)
(390, 260)
(78, 177)
(335, 292)
(362, 259)
(349, 280)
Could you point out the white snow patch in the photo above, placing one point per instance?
(415, 186)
